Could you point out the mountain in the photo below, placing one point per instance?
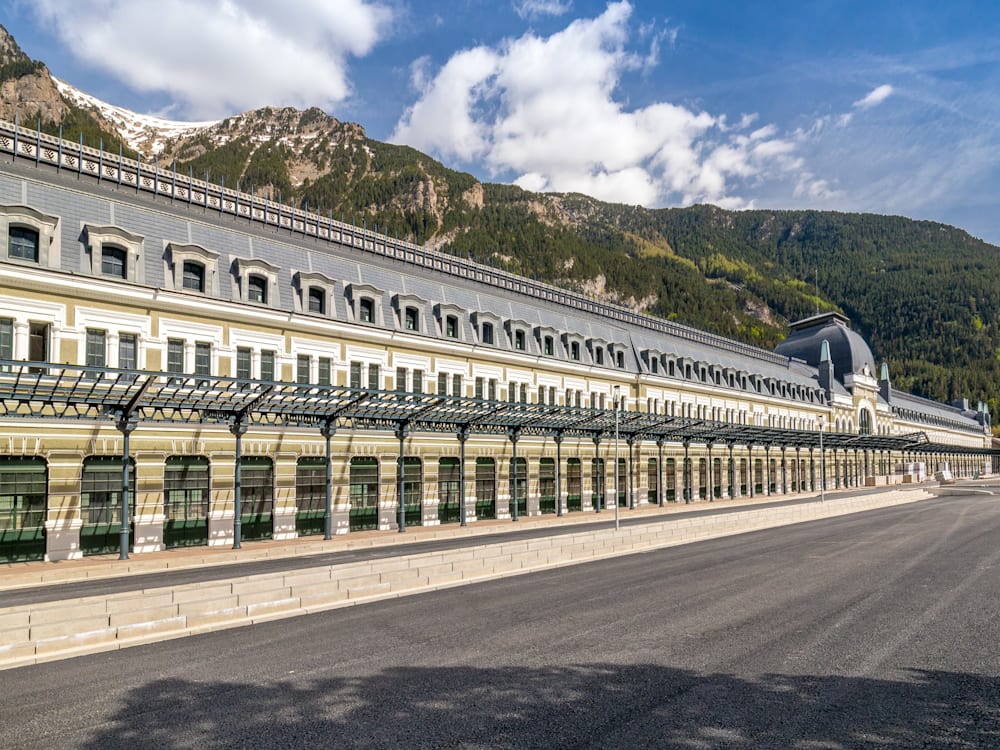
(926, 295)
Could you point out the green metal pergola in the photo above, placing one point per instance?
(126, 398)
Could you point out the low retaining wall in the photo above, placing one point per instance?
(54, 630)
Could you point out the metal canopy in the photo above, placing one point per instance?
(52, 391)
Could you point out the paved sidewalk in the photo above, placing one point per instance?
(273, 555)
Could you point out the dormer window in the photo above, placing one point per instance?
(451, 326)
(312, 293)
(654, 365)
(257, 281)
(194, 276)
(574, 351)
(317, 300)
(113, 261)
(548, 346)
(599, 356)
(519, 340)
(191, 268)
(411, 320)
(114, 252)
(365, 304)
(256, 289)
(31, 236)
(23, 244)
(487, 333)
(366, 310)
(620, 359)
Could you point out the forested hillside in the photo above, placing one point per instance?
(925, 295)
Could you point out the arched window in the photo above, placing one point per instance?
(114, 261)
(317, 300)
(864, 422)
(256, 289)
(412, 319)
(366, 310)
(194, 276)
(23, 244)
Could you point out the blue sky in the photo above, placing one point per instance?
(887, 107)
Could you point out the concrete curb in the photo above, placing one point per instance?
(36, 633)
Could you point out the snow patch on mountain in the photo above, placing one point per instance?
(145, 133)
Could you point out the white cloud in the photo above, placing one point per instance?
(225, 56)
(545, 112)
(874, 97)
(535, 8)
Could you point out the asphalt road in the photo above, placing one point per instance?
(877, 630)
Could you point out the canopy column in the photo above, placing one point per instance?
(514, 435)
(328, 430)
(126, 426)
(238, 428)
(402, 432)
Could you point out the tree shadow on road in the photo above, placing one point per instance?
(606, 706)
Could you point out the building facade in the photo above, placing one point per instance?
(111, 271)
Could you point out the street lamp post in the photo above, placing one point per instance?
(617, 402)
(822, 463)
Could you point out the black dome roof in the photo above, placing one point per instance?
(849, 352)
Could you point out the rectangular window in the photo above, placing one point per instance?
(574, 350)
(303, 363)
(541, 395)
(374, 377)
(310, 484)
(355, 375)
(493, 389)
(323, 371)
(267, 365)
(185, 488)
(128, 351)
(479, 388)
(175, 355)
(22, 494)
(487, 333)
(202, 358)
(456, 385)
(442, 388)
(401, 379)
(257, 486)
(418, 381)
(451, 327)
(6, 340)
(550, 346)
(97, 348)
(519, 340)
(244, 362)
(100, 489)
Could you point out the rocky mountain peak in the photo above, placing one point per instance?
(26, 88)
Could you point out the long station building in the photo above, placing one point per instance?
(215, 368)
